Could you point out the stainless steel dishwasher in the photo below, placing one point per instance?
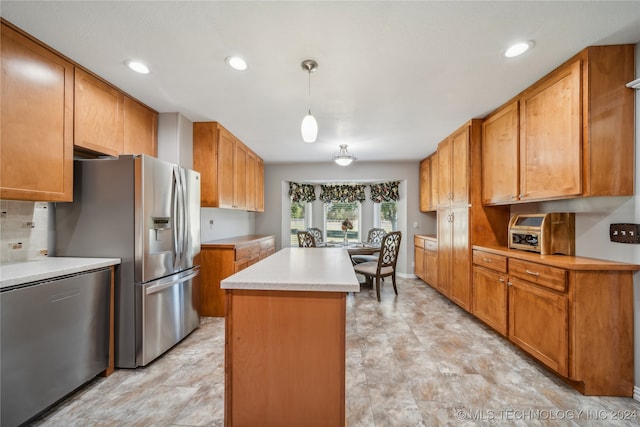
(54, 338)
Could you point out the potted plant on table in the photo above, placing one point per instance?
(346, 226)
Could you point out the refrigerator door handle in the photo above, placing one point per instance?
(185, 224)
(177, 213)
(160, 285)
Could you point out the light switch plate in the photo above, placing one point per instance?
(624, 233)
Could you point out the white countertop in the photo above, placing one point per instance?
(20, 273)
(299, 269)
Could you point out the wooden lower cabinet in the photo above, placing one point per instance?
(574, 315)
(426, 258)
(539, 323)
(490, 298)
(220, 259)
(285, 358)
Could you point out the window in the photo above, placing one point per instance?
(335, 214)
(300, 218)
(385, 216)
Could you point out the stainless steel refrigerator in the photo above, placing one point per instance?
(147, 212)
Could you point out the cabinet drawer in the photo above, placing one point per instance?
(489, 260)
(543, 275)
(418, 241)
(248, 252)
(431, 245)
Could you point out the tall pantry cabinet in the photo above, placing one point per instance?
(462, 219)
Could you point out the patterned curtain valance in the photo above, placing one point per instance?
(302, 192)
(385, 192)
(345, 193)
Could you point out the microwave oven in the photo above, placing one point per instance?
(547, 234)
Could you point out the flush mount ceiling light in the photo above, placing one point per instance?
(343, 158)
(309, 126)
(518, 49)
(236, 63)
(137, 66)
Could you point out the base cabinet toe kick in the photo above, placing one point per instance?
(572, 314)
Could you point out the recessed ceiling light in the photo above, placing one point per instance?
(518, 49)
(137, 66)
(236, 63)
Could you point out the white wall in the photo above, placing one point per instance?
(222, 223)
(275, 218)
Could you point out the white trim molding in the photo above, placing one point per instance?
(636, 393)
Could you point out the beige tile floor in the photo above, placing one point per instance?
(412, 360)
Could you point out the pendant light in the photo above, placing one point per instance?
(309, 126)
(343, 158)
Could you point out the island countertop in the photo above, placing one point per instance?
(299, 269)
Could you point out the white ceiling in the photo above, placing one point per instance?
(394, 77)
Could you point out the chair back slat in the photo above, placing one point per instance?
(375, 236)
(306, 240)
(389, 249)
(317, 234)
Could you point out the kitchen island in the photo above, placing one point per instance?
(285, 332)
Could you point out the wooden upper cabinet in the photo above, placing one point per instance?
(574, 133)
(226, 167)
(445, 192)
(232, 176)
(460, 166)
(550, 143)
(99, 115)
(140, 129)
(240, 177)
(429, 183)
(252, 166)
(260, 185)
(36, 123)
(500, 156)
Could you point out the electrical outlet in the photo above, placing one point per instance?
(624, 233)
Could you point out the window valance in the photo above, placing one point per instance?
(385, 192)
(344, 193)
(304, 193)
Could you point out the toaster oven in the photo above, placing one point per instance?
(547, 234)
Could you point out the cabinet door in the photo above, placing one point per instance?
(99, 115)
(226, 168)
(490, 298)
(500, 156)
(459, 169)
(460, 286)
(433, 198)
(431, 268)
(240, 177)
(419, 261)
(205, 161)
(260, 186)
(140, 129)
(252, 165)
(538, 323)
(36, 116)
(444, 173)
(445, 257)
(425, 185)
(551, 138)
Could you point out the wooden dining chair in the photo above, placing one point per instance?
(306, 240)
(317, 234)
(374, 237)
(386, 263)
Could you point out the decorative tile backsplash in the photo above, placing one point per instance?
(24, 230)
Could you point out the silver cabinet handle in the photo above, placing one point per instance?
(533, 273)
(487, 260)
(509, 283)
(501, 280)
